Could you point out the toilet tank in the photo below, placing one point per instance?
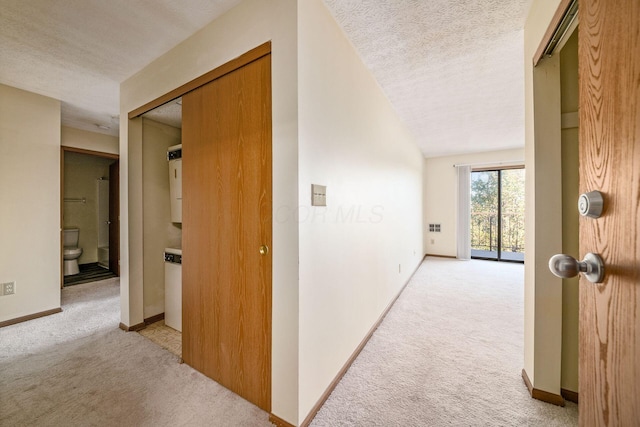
(71, 237)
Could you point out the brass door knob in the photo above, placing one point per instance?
(264, 250)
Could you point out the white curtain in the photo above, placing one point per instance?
(464, 213)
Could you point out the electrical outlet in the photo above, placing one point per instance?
(399, 268)
(9, 288)
(433, 241)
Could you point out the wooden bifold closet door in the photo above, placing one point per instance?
(227, 204)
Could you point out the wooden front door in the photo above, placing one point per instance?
(226, 141)
(609, 75)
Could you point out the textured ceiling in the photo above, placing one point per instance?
(169, 113)
(453, 69)
(78, 51)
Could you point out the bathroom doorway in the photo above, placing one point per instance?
(89, 216)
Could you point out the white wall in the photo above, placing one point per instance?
(244, 27)
(159, 231)
(81, 174)
(358, 252)
(76, 138)
(440, 192)
(30, 197)
(131, 230)
(543, 206)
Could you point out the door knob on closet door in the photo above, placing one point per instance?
(565, 267)
(264, 250)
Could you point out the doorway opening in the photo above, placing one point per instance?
(161, 140)
(226, 269)
(497, 214)
(89, 241)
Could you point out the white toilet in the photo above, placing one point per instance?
(71, 251)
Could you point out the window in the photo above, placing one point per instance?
(497, 214)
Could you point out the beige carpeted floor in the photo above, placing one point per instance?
(76, 368)
(448, 353)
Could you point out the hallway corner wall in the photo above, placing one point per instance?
(358, 251)
(30, 221)
(543, 204)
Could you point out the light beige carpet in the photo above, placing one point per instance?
(76, 368)
(449, 353)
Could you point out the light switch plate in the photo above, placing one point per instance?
(318, 195)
